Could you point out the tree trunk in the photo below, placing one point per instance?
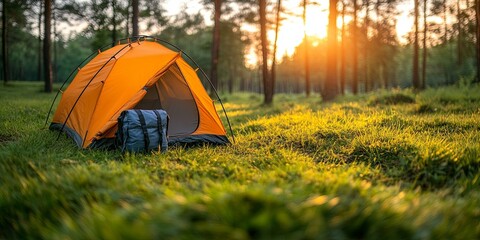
(343, 61)
(306, 48)
(6, 69)
(355, 50)
(445, 22)
(135, 18)
(127, 25)
(47, 58)
(365, 48)
(460, 35)
(416, 80)
(331, 85)
(55, 53)
(477, 16)
(274, 60)
(215, 43)
(380, 67)
(268, 95)
(424, 59)
(39, 66)
(114, 22)
(232, 74)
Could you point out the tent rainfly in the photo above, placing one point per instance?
(142, 74)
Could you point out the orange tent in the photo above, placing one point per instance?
(137, 75)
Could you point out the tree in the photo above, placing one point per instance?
(127, 25)
(54, 41)
(267, 84)
(39, 66)
(305, 38)
(4, 43)
(416, 80)
(47, 58)
(355, 49)
(445, 22)
(477, 17)
(114, 21)
(135, 18)
(215, 43)
(331, 88)
(424, 59)
(274, 60)
(460, 35)
(368, 83)
(343, 53)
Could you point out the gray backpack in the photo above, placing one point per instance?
(142, 130)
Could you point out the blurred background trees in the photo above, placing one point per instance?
(225, 38)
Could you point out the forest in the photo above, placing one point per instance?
(362, 51)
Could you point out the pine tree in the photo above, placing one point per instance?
(331, 85)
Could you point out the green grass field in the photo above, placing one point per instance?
(391, 165)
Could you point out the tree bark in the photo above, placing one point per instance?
(306, 48)
(135, 18)
(416, 80)
(424, 59)
(445, 23)
(215, 43)
(331, 85)
(127, 25)
(55, 53)
(365, 49)
(381, 67)
(6, 66)
(343, 60)
(273, 73)
(355, 50)
(477, 16)
(232, 74)
(114, 21)
(460, 35)
(268, 95)
(39, 66)
(47, 58)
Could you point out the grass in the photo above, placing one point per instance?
(392, 165)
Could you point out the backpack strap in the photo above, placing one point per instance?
(144, 128)
(160, 129)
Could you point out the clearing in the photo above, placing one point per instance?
(392, 165)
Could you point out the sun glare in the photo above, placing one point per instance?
(404, 23)
(291, 31)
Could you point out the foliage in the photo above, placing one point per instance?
(299, 169)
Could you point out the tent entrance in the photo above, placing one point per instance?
(172, 94)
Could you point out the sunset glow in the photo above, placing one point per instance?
(291, 31)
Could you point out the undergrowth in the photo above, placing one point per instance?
(394, 165)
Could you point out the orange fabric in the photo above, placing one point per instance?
(131, 73)
(81, 114)
(117, 79)
(209, 121)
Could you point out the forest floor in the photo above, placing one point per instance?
(388, 165)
